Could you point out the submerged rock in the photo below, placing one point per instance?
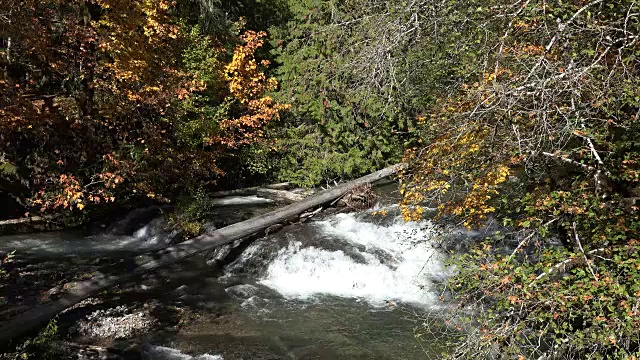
(114, 323)
(242, 291)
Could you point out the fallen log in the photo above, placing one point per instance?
(257, 196)
(240, 200)
(235, 192)
(280, 186)
(76, 292)
(282, 196)
(29, 224)
(26, 220)
(250, 190)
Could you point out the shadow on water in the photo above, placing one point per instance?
(221, 307)
(197, 313)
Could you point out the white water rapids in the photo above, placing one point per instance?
(319, 289)
(357, 256)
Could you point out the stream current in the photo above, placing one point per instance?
(343, 286)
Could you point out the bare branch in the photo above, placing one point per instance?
(524, 241)
(569, 161)
(577, 239)
(564, 265)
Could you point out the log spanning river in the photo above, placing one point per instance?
(341, 286)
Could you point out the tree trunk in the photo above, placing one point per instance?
(281, 196)
(264, 195)
(41, 314)
(250, 190)
(26, 220)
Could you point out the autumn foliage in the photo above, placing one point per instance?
(94, 99)
(247, 86)
(542, 144)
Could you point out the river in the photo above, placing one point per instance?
(340, 286)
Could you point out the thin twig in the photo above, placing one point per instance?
(570, 161)
(555, 268)
(575, 232)
(523, 241)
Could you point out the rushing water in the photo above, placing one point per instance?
(361, 258)
(347, 286)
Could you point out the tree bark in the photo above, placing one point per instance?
(26, 220)
(264, 195)
(41, 314)
(250, 190)
(281, 196)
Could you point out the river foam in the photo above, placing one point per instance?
(152, 352)
(394, 262)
